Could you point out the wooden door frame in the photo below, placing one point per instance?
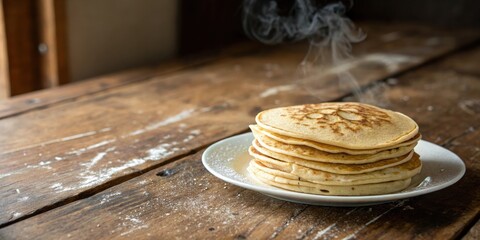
(33, 45)
(53, 35)
(4, 71)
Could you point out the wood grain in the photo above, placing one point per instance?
(82, 147)
(473, 233)
(67, 93)
(122, 132)
(181, 199)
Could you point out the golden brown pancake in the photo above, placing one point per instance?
(339, 190)
(312, 154)
(343, 124)
(263, 154)
(297, 172)
(335, 149)
(326, 147)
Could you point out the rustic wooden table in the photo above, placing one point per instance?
(119, 156)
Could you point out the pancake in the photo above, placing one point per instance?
(339, 190)
(343, 124)
(345, 149)
(312, 154)
(326, 147)
(263, 154)
(297, 172)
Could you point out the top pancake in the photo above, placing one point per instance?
(343, 124)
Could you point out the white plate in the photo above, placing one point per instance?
(228, 160)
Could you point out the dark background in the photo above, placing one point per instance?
(447, 13)
(212, 24)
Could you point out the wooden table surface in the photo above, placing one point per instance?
(120, 156)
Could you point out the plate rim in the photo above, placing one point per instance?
(325, 198)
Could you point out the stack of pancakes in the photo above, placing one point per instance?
(335, 149)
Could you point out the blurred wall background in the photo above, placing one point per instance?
(110, 35)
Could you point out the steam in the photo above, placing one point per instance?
(329, 32)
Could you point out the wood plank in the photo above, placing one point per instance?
(102, 139)
(182, 200)
(473, 233)
(467, 65)
(46, 98)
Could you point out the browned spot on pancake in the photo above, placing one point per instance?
(339, 118)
